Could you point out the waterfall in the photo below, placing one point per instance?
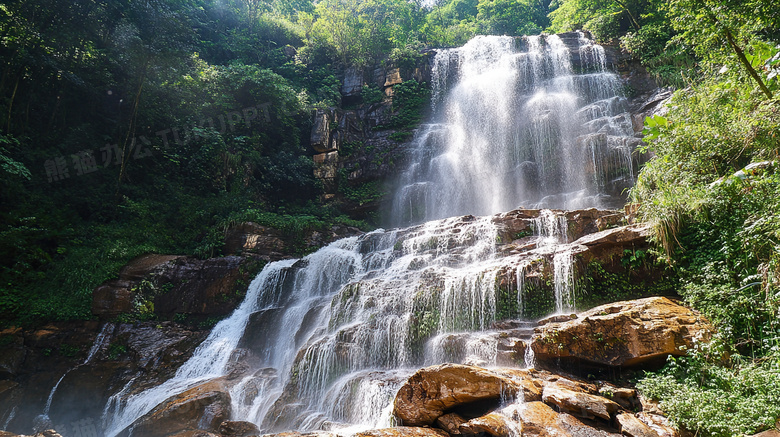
(327, 340)
(516, 124)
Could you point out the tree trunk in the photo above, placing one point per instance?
(747, 64)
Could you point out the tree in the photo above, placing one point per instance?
(718, 28)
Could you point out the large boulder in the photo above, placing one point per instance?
(168, 285)
(116, 296)
(625, 333)
(204, 407)
(434, 390)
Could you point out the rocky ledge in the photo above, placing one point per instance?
(631, 333)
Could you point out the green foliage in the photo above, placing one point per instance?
(116, 350)
(371, 95)
(360, 32)
(606, 19)
(701, 394)
(508, 17)
(409, 103)
(631, 281)
(717, 223)
(362, 194)
(68, 350)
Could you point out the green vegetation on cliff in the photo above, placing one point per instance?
(717, 229)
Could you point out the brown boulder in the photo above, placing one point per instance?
(434, 390)
(403, 431)
(768, 433)
(578, 403)
(202, 408)
(623, 333)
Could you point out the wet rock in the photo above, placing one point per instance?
(625, 333)
(195, 433)
(203, 287)
(632, 427)
(171, 285)
(302, 434)
(403, 431)
(232, 428)
(203, 407)
(451, 423)
(577, 403)
(493, 424)
(434, 390)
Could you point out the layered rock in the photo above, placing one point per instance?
(624, 333)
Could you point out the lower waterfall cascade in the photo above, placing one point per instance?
(325, 342)
(331, 337)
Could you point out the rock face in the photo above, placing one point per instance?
(116, 296)
(353, 146)
(168, 284)
(269, 244)
(623, 333)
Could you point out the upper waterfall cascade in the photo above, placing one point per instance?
(517, 123)
(327, 340)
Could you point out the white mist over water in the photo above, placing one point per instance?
(330, 338)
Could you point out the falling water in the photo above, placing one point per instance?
(99, 342)
(329, 339)
(514, 125)
(11, 416)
